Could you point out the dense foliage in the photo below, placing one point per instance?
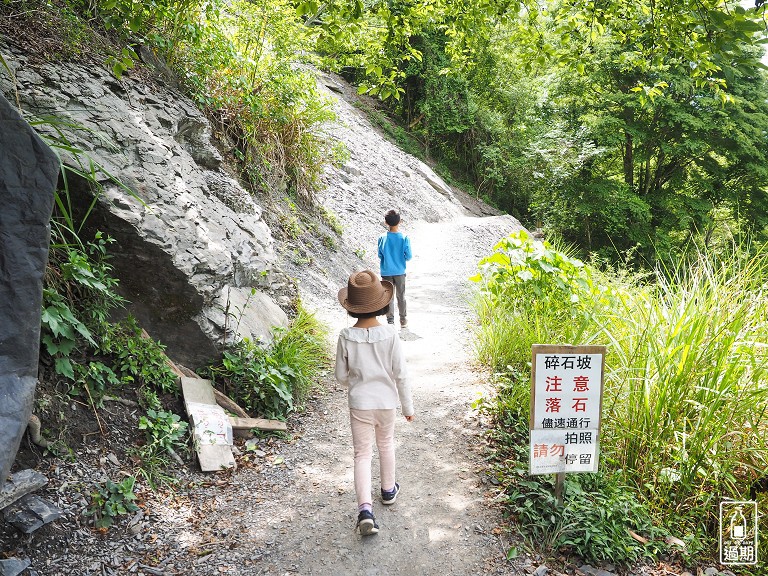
(627, 128)
(631, 129)
(684, 405)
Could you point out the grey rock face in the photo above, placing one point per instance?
(28, 171)
(376, 177)
(19, 485)
(187, 234)
(31, 512)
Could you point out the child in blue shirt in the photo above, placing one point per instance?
(394, 252)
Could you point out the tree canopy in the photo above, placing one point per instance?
(627, 127)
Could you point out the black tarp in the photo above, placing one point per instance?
(28, 173)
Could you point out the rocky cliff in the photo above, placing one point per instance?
(190, 241)
(378, 176)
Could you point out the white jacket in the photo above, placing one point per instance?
(370, 362)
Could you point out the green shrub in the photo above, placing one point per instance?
(272, 380)
(303, 346)
(242, 72)
(164, 430)
(137, 359)
(255, 379)
(94, 378)
(531, 292)
(112, 500)
(78, 295)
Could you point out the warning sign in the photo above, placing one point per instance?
(566, 403)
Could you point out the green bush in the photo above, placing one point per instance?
(303, 346)
(112, 500)
(137, 359)
(164, 430)
(532, 293)
(272, 380)
(78, 295)
(242, 72)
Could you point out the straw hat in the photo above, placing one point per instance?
(365, 293)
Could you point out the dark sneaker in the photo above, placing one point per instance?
(389, 497)
(366, 523)
(403, 323)
(390, 320)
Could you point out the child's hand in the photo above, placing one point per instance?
(410, 418)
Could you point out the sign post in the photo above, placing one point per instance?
(566, 403)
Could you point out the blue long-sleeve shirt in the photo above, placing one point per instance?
(394, 252)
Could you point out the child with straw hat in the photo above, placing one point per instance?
(370, 362)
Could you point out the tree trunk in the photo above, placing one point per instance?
(629, 160)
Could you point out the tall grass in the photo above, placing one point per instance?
(688, 414)
(685, 406)
(304, 347)
(248, 71)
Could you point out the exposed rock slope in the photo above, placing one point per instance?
(377, 177)
(190, 242)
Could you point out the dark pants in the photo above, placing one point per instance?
(399, 282)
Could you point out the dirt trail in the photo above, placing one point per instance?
(440, 524)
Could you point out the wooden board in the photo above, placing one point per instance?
(197, 390)
(215, 457)
(212, 457)
(259, 423)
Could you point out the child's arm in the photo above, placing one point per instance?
(407, 249)
(342, 366)
(400, 374)
(381, 249)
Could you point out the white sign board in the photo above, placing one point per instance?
(566, 402)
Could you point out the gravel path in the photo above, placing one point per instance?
(441, 523)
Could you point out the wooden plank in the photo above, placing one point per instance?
(212, 457)
(215, 457)
(259, 423)
(197, 390)
(202, 391)
(183, 372)
(228, 404)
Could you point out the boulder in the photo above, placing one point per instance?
(28, 172)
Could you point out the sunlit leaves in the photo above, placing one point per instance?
(307, 8)
(705, 35)
(649, 92)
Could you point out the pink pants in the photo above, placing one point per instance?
(368, 425)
